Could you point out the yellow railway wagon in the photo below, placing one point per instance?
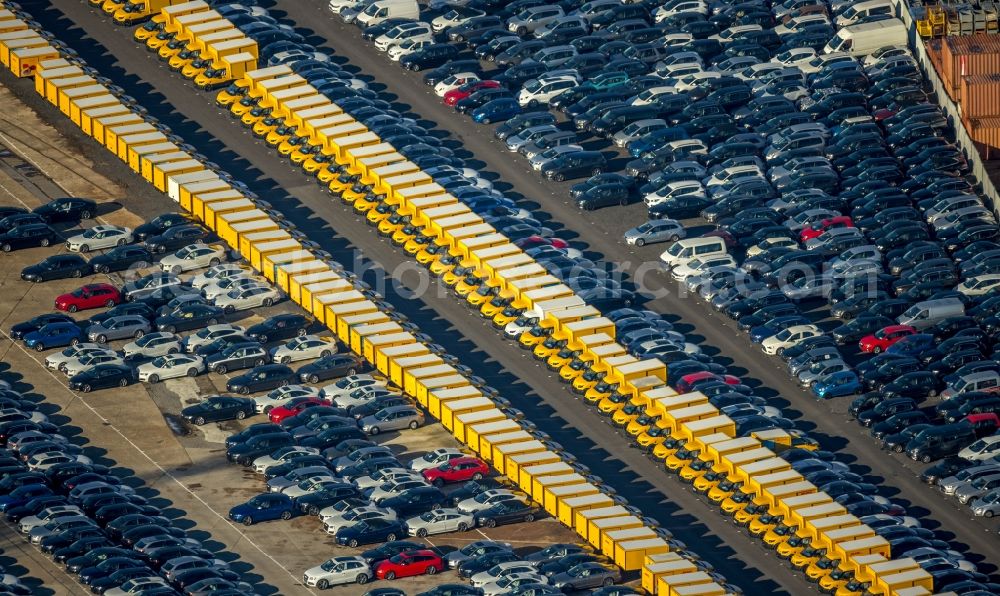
(100, 124)
(212, 211)
(503, 450)
(287, 272)
(79, 106)
(10, 23)
(162, 171)
(583, 517)
(18, 40)
(516, 463)
(251, 237)
(353, 155)
(384, 355)
(568, 508)
(347, 141)
(327, 304)
(398, 366)
(189, 191)
(299, 282)
(67, 96)
(427, 387)
(175, 183)
(597, 527)
(466, 420)
(297, 118)
(554, 495)
(87, 117)
(226, 224)
(452, 408)
(138, 152)
(126, 142)
(148, 163)
(259, 251)
(24, 61)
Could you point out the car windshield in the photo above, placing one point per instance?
(257, 502)
(329, 565)
(91, 233)
(383, 414)
(784, 335)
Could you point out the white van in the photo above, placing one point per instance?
(865, 38)
(863, 10)
(684, 251)
(929, 312)
(381, 10)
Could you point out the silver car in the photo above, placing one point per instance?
(285, 454)
(224, 286)
(394, 418)
(305, 347)
(209, 334)
(435, 458)
(539, 160)
(97, 237)
(533, 18)
(487, 499)
(193, 256)
(59, 525)
(352, 516)
(247, 298)
(987, 505)
(336, 571)
(59, 360)
(119, 327)
(977, 488)
(655, 230)
(276, 397)
(293, 478)
(151, 345)
(950, 484)
(47, 515)
(820, 370)
(75, 367)
(584, 576)
(147, 285)
(346, 385)
(218, 273)
(439, 521)
(475, 549)
(393, 488)
(171, 366)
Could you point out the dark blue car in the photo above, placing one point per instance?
(22, 495)
(496, 110)
(54, 335)
(263, 507)
(912, 345)
(370, 532)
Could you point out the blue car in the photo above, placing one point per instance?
(496, 110)
(264, 507)
(655, 140)
(22, 495)
(838, 384)
(912, 345)
(54, 335)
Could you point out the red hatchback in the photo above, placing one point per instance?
(690, 382)
(457, 470)
(456, 95)
(883, 338)
(89, 296)
(408, 564)
(815, 230)
(294, 407)
(531, 241)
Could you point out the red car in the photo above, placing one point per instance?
(459, 469)
(89, 296)
(410, 563)
(813, 231)
(455, 95)
(531, 241)
(884, 337)
(690, 382)
(294, 407)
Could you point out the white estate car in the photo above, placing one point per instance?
(103, 236)
(193, 256)
(304, 348)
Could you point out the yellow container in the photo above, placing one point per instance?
(709, 589)
(297, 118)
(453, 408)
(345, 315)
(148, 163)
(252, 238)
(526, 475)
(287, 272)
(78, 107)
(365, 338)
(541, 486)
(136, 153)
(189, 191)
(669, 584)
(43, 76)
(211, 211)
(126, 142)
(114, 134)
(583, 517)
(651, 573)
(597, 527)
(400, 365)
(426, 389)
(175, 183)
(516, 463)
(522, 443)
(24, 62)
(554, 495)
(99, 124)
(495, 423)
(298, 282)
(258, 252)
(162, 171)
(87, 116)
(570, 506)
(611, 538)
(354, 154)
(227, 224)
(412, 376)
(9, 46)
(384, 355)
(462, 422)
(67, 96)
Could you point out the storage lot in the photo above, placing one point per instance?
(185, 464)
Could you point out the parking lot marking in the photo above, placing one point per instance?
(165, 472)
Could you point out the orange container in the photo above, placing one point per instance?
(986, 133)
(969, 55)
(980, 96)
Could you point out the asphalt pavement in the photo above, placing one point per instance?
(533, 389)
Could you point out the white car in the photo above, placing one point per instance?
(336, 571)
(361, 396)
(454, 82)
(276, 397)
(486, 499)
(75, 367)
(983, 449)
(44, 461)
(218, 273)
(439, 521)
(509, 583)
(224, 286)
(406, 48)
(246, 298)
(353, 516)
(46, 515)
(305, 347)
(380, 477)
(209, 334)
(151, 345)
(310, 485)
(777, 344)
(59, 360)
(980, 284)
(262, 463)
(348, 384)
(403, 32)
(435, 458)
(194, 256)
(698, 266)
(97, 237)
(171, 366)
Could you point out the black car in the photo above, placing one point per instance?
(192, 315)
(603, 195)
(279, 327)
(27, 236)
(330, 367)
(508, 512)
(575, 165)
(415, 501)
(175, 237)
(159, 225)
(66, 209)
(244, 453)
(121, 258)
(56, 267)
(102, 376)
(431, 56)
(261, 378)
(19, 330)
(313, 502)
(388, 550)
(679, 208)
(219, 407)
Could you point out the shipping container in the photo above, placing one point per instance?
(78, 106)
(111, 111)
(396, 367)
(597, 527)
(652, 572)
(629, 555)
(229, 225)
(980, 95)
(667, 585)
(892, 584)
(501, 451)
(516, 463)
(708, 589)
(24, 61)
(250, 239)
(213, 210)
(367, 337)
(350, 315)
(384, 355)
(456, 407)
(583, 517)
(986, 134)
(113, 134)
(426, 389)
(291, 270)
(19, 40)
(176, 183)
(968, 55)
(414, 376)
(569, 507)
(127, 143)
(487, 443)
(464, 422)
(295, 286)
(556, 494)
(611, 538)
(540, 483)
(527, 474)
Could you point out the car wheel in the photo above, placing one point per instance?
(267, 409)
(176, 270)
(325, 354)
(171, 329)
(932, 393)
(374, 431)
(391, 575)
(258, 362)
(172, 351)
(213, 262)
(477, 476)
(267, 302)
(362, 578)
(262, 338)
(85, 214)
(314, 378)
(213, 322)
(322, 584)
(285, 383)
(487, 121)
(121, 242)
(438, 482)
(138, 333)
(877, 350)
(6, 247)
(74, 341)
(154, 379)
(529, 518)
(352, 543)
(248, 521)
(39, 347)
(352, 372)
(432, 570)
(608, 581)
(84, 248)
(138, 265)
(220, 369)
(490, 523)
(926, 459)
(79, 272)
(313, 510)
(463, 527)
(558, 177)
(192, 372)
(301, 333)
(285, 515)
(229, 309)
(640, 242)
(414, 425)
(199, 421)
(422, 533)
(72, 308)
(44, 242)
(86, 388)
(988, 513)
(244, 391)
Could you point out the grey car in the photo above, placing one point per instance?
(584, 576)
(977, 488)
(531, 19)
(475, 549)
(950, 484)
(820, 370)
(119, 328)
(148, 284)
(59, 525)
(654, 231)
(151, 345)
(394, 418)
(529, 135)
(987, 505)
(276, 485)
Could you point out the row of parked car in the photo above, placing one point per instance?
(85, 518)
